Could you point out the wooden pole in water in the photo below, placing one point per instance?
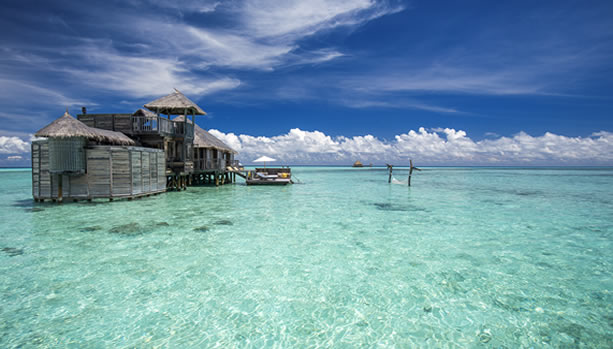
(389, 178)
(410, 171)
(411, 168)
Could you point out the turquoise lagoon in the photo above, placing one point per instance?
(467, 257)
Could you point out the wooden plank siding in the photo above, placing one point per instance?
(122, 123)
(112, 172)
(112, 122)
(137, 179)
(153, 173)
(88, 120)
(98, 171)
(121, 173)
(36, 169)
(45, 177)
(161, 170)
(145, 172)
(79, 188)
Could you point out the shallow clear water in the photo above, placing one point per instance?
(467, 257)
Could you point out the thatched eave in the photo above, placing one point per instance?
(114, 137)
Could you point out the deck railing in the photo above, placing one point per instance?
(138, 125)
(160, 125)
(209, 164)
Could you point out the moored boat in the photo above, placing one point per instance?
(270, 176)
(358, 163)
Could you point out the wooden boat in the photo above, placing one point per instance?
(360, 164)
(270, 176)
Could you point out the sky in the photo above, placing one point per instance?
(326, 81)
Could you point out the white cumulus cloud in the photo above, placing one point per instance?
(441, 146)
(13, 145)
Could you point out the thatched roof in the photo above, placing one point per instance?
(144, 112)
(66, 126)
(114, 137)
(204, 139)
(174, 104)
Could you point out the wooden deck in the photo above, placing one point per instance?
(139, 125)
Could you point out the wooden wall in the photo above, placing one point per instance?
(112, 172)
(113, 122)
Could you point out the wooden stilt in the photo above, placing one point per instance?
(389, 178)
(59, 189)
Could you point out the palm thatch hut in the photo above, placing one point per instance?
(81, 162)
(68, 138)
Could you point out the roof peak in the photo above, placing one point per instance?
(175, 103)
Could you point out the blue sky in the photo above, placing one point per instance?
(325, 81)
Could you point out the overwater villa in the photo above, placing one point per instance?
(128, 155)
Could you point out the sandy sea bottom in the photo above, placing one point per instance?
(467, 257)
